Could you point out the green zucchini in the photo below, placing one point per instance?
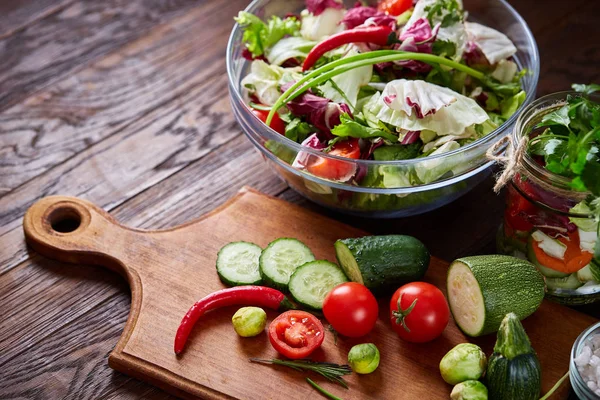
(514, 371)
(595, 269)
(237, 264)
(483, 289)
(383, 263)
(311, 282)
(280, 259)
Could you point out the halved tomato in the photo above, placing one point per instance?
(296, 334)
(336, 169)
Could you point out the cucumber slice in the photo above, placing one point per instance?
(311, 282)
(280, 259)
(569, 282)
(382, 263)
(237, 264)
(547, 272)
(483, 289)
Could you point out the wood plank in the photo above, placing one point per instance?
(37, 297)
(59, 44)
(17, 14)
(106, 97)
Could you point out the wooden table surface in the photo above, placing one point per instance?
(124, 103)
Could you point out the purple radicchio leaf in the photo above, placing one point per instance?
(302, 158)
(474, 56)
(316, 7)
(319, 111)
(381, 19)
(357, 15)
(418, 38)
(411, 137)
(420, 31)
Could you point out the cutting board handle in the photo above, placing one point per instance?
(74, 230)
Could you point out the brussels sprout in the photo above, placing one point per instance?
(249, 321)
(464, 362)
(469, 390)
(363, 358)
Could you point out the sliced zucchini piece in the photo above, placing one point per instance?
(483, 289)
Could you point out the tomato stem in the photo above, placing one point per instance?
(401, 314)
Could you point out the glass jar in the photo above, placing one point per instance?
(580, 386)
(547, 222)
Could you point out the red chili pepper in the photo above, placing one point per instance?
(374, 34)
(258, 296)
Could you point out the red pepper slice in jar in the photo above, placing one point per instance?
(374, 34)
(296, 334)
(258, 296)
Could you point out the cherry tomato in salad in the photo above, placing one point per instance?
(351, 309)
(574, 258)
(277, 123)
(419, 312)
(394, 7)
(296, 334)
(336, 169)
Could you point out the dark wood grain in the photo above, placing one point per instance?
(40, 53)
(18, 14)
(82, 84)
(103, 99)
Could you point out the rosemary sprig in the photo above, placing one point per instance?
(331, 371)
(322, 391)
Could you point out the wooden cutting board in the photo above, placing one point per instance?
(169, 270)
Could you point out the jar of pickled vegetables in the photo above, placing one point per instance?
(549, 217)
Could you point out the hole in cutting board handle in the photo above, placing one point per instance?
(65, 219)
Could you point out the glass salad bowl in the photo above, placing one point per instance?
(388, 189)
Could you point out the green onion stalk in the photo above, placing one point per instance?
(329, 70)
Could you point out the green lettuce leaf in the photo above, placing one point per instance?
(290, 47)
(259, 36)
(350, 128)
(585, 224)
(264, 80)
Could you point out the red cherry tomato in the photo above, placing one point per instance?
(296, 334)
(351, 309)
(277, 123)
(394, 7)
(336, 169)
(419, 312)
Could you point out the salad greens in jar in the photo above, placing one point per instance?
(553, 202)
(395, 81)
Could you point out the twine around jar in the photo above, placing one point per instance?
(513, 164)
(512, 159)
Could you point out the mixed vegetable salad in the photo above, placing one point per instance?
(394, 81)
(558, 230)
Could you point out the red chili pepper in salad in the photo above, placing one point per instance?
(258, 296)
(374, 34)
